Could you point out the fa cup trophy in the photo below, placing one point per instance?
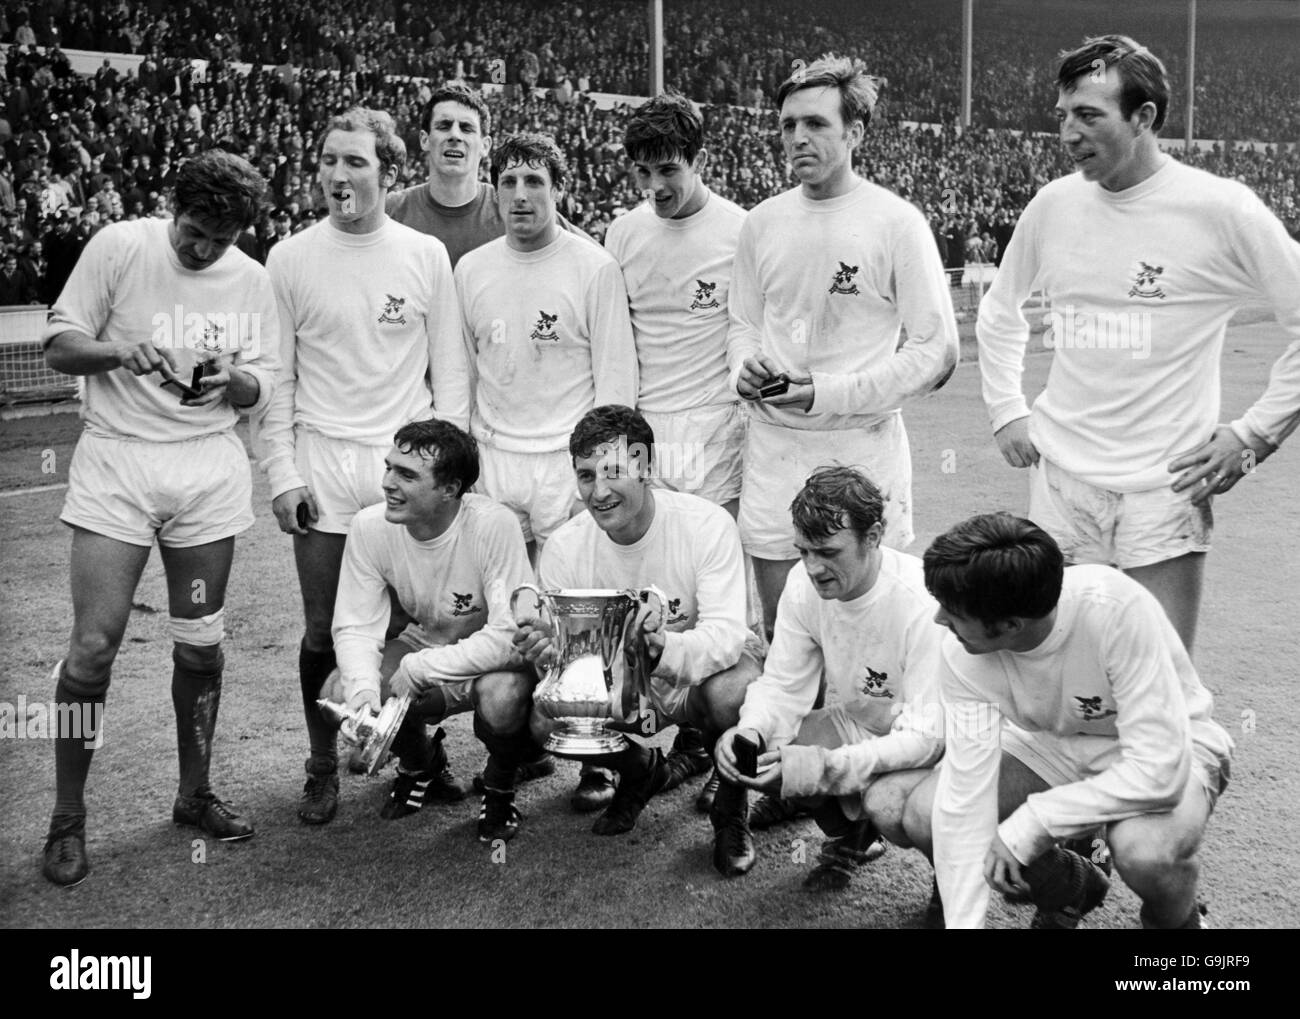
(374, 734)
(588, 628)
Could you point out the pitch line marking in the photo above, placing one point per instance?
(6, 493)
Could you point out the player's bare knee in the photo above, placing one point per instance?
(885, 803)
(91, 654)
(502, 700)
(1140, 859)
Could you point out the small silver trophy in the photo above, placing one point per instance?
(374, 734)
(588, 628)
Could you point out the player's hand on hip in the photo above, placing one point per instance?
(1002, 870)
(756, 372)
(143, 357)
(1013, 439)
(285, 507)
(1217, 464)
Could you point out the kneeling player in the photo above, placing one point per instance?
(160, 462)
(856, 616)
(452, 558)
(700, 661)
(1071, 705)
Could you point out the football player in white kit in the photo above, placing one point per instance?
(825, 276)
(676, 250)
(161, 463)
(371, 341)
(1144, 260)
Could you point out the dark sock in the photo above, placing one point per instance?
(412, 746)
(196, 696)
(830, 818)
(1056, 878)
(690, 740)
(634, 763)
(71, 753)
(314, 668)
(506, 751)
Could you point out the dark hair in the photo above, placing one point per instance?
(833, 498)
(858, 90)
(219, 187)
(664, 128)
(453, 450)
(1142, 76)
(389, 146)
(533, 150)
(995, 567)
(612, 423)
(458, 92)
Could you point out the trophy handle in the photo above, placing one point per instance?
(542, 601)
(657, 602)
(636, 671)
(544, 613)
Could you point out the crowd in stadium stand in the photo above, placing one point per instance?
(77, 152)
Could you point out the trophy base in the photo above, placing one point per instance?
(580, 738)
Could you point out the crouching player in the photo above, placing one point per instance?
(700, 661)
(1071, 705)
(856, 616)
(452, 558)
(159, 461)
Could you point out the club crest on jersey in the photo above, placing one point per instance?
(704, 295)
(393, 311)
(214, 337)
(675, 615)
(843, 281)
(463, 605)
(544, 330)
(1146, 282)
(874, 684)
(1090, 709)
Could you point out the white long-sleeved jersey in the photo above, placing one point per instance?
(879, 654)
(678, 276)
(371, 341)
(824, 286)
(547, 336)
(1142, 283)
(1113, 668)
(692, 553)
(128, 286)
(456, 587)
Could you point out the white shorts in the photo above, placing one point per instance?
(835, 726)
(538, 487)
(1122, 529)
(183, 493)
(699, 451)
(344, 477)
(1061, 760)
(779, 460)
